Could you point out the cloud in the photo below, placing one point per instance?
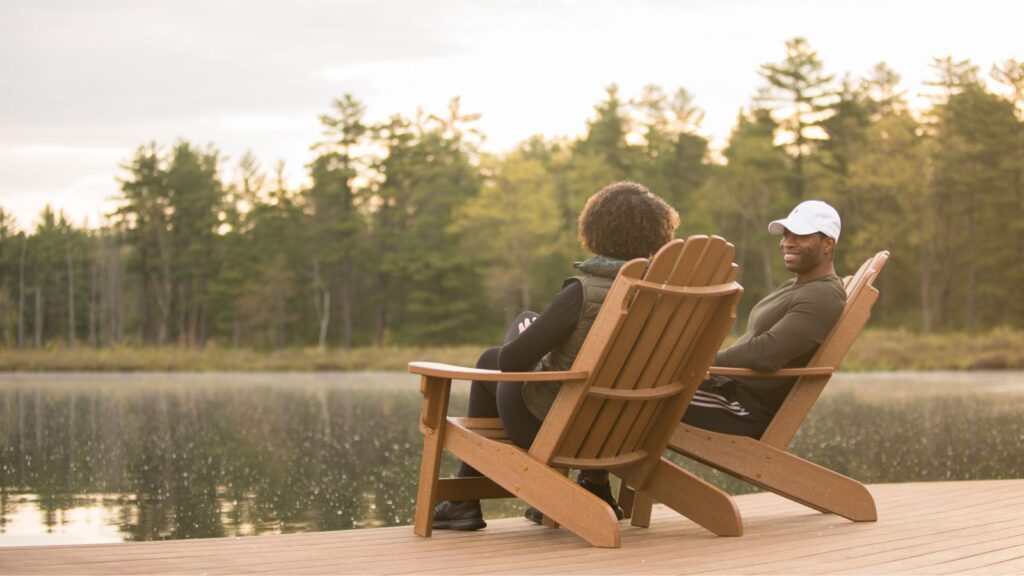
(258, 123)
(56, 151)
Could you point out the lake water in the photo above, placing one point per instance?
(87, 458)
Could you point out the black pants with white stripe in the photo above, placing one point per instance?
(715, 407)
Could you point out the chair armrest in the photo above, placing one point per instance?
(816, 371)
(439, 370)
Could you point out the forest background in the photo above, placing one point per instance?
(408, 234)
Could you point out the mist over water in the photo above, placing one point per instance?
(112, 457)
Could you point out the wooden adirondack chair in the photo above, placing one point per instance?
(649, 348)
(764, 462)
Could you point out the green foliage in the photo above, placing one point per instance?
(877, 349)
(798, 89)
(407, 234)
(740, 198)
(510, 228)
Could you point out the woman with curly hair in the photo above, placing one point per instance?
(621, 222)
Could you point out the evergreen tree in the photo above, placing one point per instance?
(428, 290)
(740, 198)
(606, 136)
(196, 204)
(800, 89)
(976, 158)
(511, 227)
(11, 241)
(337, 226)
(889, 178)
(271, 301)
(674, 160)
(144, 218)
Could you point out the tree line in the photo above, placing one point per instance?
(408, 233)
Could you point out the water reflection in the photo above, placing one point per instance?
(187, 456)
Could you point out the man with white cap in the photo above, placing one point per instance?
(783, 330)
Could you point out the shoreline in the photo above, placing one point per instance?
(874, 351)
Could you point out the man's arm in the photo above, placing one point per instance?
(802, 329)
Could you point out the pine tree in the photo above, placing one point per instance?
(799, 88)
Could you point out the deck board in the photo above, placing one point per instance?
(923, 528)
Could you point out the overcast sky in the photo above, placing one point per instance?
(83, 83)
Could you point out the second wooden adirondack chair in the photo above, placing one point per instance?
(649, 348)
(764, 462)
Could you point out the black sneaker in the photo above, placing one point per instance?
(461, 515)
(602, 491)
(533, 515)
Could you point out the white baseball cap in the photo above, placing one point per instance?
(809, 217)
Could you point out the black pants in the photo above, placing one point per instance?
(502, 400)
(716, 407)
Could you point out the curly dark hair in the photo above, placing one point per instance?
(624, 220)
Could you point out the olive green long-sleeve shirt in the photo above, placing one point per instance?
(783, 331)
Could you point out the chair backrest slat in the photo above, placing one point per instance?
(674, 349)
(640, 354)
(592, 354)
(685, 350)
(651, 332)
(608, 373)
(860, 298)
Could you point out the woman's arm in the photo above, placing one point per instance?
(545, 333)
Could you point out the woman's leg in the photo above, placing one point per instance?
(520, 424)
(482, 401)
(466, 514)
(489, 400)
(502, 399)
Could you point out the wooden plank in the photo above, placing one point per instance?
(956, 499)
(947, 558)
(478, 488)
(925, 528)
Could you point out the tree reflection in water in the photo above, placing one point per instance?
(191, 457)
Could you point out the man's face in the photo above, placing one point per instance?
(804, 253)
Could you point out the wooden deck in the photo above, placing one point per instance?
(923, 528)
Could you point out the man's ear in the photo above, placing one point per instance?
(830, 246)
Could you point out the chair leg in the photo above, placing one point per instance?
(543, 487)
(818, 488)
(642, 510)
(547, 522)
(433, 425)
(694, 498)
(626, 498)
(426, 494)
(778, 471)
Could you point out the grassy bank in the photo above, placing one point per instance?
(874, 350)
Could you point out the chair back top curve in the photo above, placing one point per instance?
(650, 346)
(861, 295)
